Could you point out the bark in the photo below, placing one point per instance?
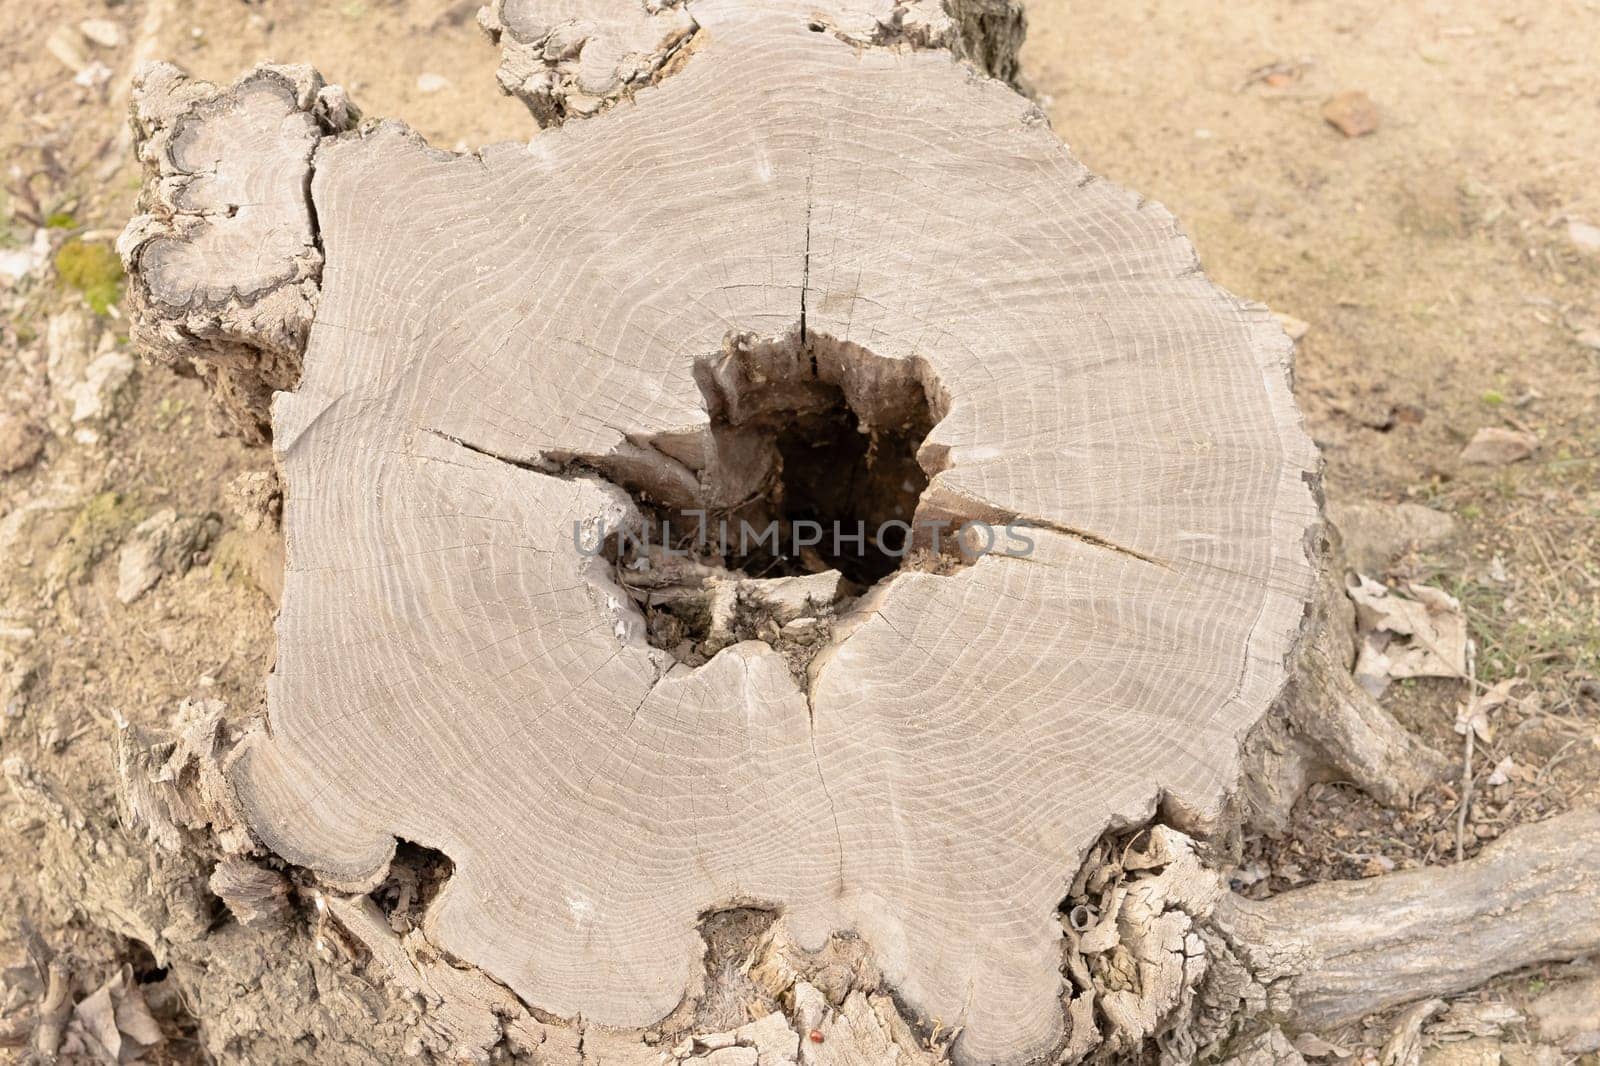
(224, 254)
(1171, 957)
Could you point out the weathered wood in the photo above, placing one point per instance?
(796, 224)
(576, 58)
(1340, 950)
(1171, 956)
(224, 256)
(1325, 726)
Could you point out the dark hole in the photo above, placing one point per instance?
(850, 484)
(416, 875)
(145, 968)
(730, 997)
(816, 445)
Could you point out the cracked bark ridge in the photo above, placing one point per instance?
(987, 33)
(224, 256)
(461, 1015)
(453, 672)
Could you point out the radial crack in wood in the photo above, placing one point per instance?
(455, 672)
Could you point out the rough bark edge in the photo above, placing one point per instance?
(1162, 956)
(1336, 951)
(833, 1005)
(544, 66)
(986, 33)
(245, 345)
(1324, 726)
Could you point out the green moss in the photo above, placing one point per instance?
(95, 530)
(92, 269)
(61, 220)
(1493, 398)
(171, 412)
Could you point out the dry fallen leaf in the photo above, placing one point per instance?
(1475, 713)
(112, 1025)
(1420, 634)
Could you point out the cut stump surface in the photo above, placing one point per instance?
(634, 315)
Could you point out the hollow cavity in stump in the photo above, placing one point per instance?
(811, 498)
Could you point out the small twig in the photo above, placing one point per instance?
(1466, 797)
(1564, 722)
(1466, 759)
(53, 1013)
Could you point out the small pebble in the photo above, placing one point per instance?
(1495, 446)
(103, 32)
(1351, 113)
(1586, 235)
(22, 441)
(63, 44)
(1296, 328)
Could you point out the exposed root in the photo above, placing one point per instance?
(1162, 957)
(1339, 950)
(1325, 726)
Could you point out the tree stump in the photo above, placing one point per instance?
(801, 263)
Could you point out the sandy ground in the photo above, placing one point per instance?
(1434, 261)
